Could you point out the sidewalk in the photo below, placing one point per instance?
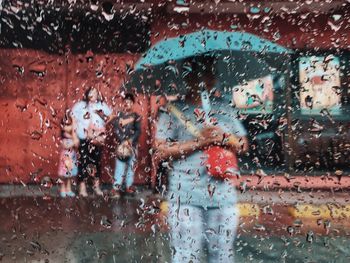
(34, 229)
(295, 203)
(253, 196)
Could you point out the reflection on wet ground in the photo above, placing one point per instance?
(133, 230)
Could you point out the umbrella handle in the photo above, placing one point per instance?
(182, 118)
(232, 140)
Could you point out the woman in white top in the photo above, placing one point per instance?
(90, 129)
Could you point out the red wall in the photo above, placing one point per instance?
(32, 106)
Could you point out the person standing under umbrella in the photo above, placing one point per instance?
(201, 207)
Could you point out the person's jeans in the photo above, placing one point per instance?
(124, 168)
(191, 225)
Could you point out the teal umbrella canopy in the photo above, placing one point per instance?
(239, 57)
(207, 41)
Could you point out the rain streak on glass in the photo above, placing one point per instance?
(174, 131)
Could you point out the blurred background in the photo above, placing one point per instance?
(51, 51)
(299, 134)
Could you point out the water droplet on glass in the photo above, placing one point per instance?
(310, 236)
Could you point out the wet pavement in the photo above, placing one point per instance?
(133, 229)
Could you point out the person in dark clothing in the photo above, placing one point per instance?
(127, 130)
(126, 125)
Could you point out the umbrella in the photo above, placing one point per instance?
(239, 57)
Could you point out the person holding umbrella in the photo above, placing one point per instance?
(201, 206)
(198, 135)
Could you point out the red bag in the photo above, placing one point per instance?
(221, 163)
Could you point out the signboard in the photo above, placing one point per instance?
(254, 96)
(319, 77)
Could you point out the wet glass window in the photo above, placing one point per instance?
(175, 131)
